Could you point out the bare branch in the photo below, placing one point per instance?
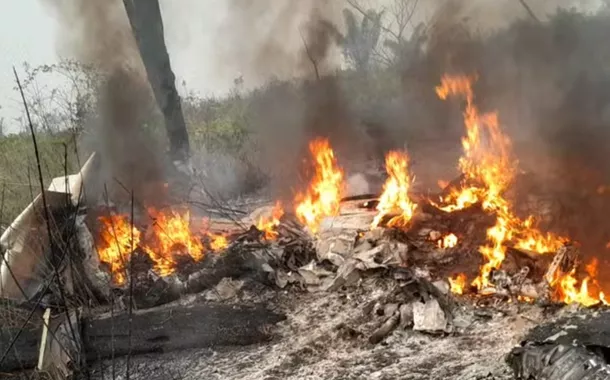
(311, 58)
(357, 7)
(529, 10)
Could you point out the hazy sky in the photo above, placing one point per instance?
(28, 33)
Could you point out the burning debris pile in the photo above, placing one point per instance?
(168, 240)
(474, 215)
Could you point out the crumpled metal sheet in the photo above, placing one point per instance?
(557, 362)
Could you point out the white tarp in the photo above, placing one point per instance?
(25, 242)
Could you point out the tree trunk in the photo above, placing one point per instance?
(147, 25)
(160, 329)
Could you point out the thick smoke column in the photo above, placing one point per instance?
(98, 33)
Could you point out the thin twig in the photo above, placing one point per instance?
(31, 314)
(311, 58)
(357, 7)
(529, 10)
(113, 227)
(112, 336)
(47, 216)
(128, 360)
(30, 182)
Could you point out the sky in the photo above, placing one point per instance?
(28, 33)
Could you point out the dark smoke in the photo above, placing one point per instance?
(97, 33)
(263, 39)
(549, 82)
(546, 76)
(284, 41)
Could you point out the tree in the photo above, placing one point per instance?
(360, 41)
(403, 50)
(147, 26)
(397, 47)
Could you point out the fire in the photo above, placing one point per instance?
(442, 183)
(489, 169)
(587, 294)
(171, 237)
(268, 225)
(218, 242)
(458, 283)
(525, 299)
(395, 195)
(117, 241)
(323, 197)
(447, 241)
(459, 199)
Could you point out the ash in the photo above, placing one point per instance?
(325, 337)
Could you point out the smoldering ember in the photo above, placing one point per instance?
(468, 240)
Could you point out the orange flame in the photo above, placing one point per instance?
(116, 244)
(442, 183)
(395, 195)
(447, 241)
(268, 225)
(218, 242)
(567, 289)
(458, 283)
(325, 190)
(171, 237)
(488, 164)
(167, 238)
(525, 299)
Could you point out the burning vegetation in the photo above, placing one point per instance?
(488, 170)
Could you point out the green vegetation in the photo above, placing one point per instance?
(18, 172)
(552, 75)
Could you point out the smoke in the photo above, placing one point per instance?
(98, 33)
(548, 80)
(290, 49)
(264, 39)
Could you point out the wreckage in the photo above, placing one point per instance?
(402, 283)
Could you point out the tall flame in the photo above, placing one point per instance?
(117, 241)
(489, 169)
(323, 197)
(395, 195)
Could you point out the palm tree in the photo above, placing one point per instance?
(403, 49)
(360, 41)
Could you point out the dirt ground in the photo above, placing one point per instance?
(325, 337)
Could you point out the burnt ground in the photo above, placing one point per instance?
(325, 336)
